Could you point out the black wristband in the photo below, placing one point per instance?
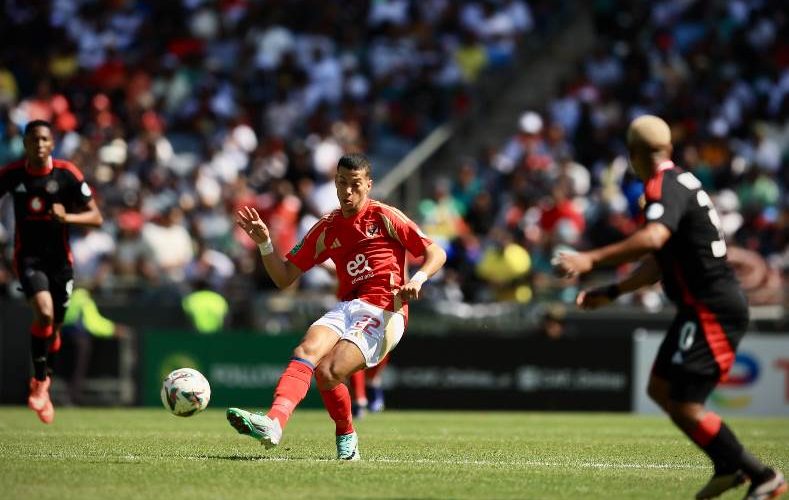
(612, 291)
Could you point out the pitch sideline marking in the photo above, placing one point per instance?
(384, 460)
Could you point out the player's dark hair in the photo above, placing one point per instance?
(37, 123)
(356, 161)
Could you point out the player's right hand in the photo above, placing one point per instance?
(248, 219)
(592, 298)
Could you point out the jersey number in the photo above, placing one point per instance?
(366, 323)
(686, 335)
(719, 245)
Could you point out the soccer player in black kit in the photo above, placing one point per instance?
(48, 195)
(682, 245)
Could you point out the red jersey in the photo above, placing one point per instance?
(368, 249)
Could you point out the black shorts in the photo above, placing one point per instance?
(699, 350)
(36, 276)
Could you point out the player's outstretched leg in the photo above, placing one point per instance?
(290, 390)
(261, 427)
(773, 487)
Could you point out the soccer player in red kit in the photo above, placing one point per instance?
(367, 241)
(48, 195)
(683, 247)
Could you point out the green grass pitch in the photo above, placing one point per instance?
(147, 453)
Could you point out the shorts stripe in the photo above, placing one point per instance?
(713, 331)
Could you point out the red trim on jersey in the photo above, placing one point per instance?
(39, 173)
(654, 187)
(713, 331)
(66, 165)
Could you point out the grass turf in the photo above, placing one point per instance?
(146, 453)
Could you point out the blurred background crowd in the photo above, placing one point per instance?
(179, 112)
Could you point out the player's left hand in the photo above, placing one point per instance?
(59, 212)
(571, 264)
(409, 291)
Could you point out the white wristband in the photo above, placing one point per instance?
(420, 277)
(266, 248)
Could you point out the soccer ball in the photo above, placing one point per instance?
(185, 392)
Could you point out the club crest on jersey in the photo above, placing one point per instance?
(372, 230)
(36, 204)
(52, 187)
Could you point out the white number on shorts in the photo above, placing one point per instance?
(686, 335)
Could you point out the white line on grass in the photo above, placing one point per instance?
(386, 460)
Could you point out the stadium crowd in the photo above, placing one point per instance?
(717, 71)
(180, 112)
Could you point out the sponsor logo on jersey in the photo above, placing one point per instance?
(359, 268)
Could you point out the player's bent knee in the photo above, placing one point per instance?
(327, 375)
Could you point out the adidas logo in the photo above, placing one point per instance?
(677, 358)
(20, 189)
(336, 243)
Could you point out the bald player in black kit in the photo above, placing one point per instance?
(681, 244)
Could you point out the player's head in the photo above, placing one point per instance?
(649, 143)
(39, 142)
(353, 182)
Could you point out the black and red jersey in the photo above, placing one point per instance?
(38, 234)
(693, 260)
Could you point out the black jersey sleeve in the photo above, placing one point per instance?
(666, 200)
(5, 180)
(78, 193)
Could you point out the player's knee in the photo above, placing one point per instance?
(327, 375)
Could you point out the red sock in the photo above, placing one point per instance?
(357, 386)
(56, 342)
(338, 403)
(708, 428)
(291, 389)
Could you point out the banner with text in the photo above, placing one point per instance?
(242, 370)
(758, 383)
(510, 373)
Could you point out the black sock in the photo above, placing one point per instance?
(726, 449)
(39, 351)
(51, 357)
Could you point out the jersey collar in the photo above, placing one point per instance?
(665, 165)
(39, 173)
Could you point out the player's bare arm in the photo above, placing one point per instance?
(646, 240)
(282, 273)
(91, 217)
(647, 273)
(435, 257)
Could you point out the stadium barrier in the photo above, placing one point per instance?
(758, 383)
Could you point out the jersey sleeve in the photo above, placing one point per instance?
(311, 250)
(405, 231)
(79, 192)
(666, 200)
(5, 179)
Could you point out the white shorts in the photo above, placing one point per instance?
(375, 331)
